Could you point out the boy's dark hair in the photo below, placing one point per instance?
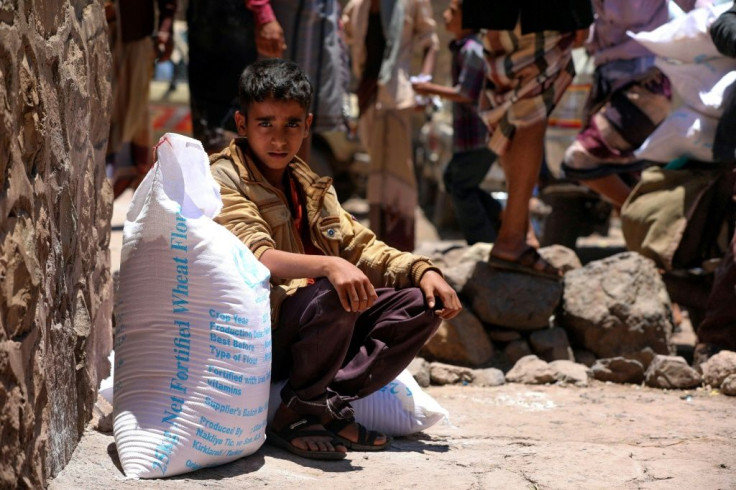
(274, 78)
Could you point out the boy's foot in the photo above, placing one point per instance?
(356, 437)
(304, 436)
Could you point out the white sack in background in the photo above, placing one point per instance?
(193, 338)
(398, 409)
(685, 132)
(685, 38)
(702, 86)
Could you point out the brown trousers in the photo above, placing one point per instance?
(331, 357)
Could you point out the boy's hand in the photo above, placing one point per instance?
(434, 286)
(353, 287)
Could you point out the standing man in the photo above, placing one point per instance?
(528, 50)
(135, 45)
(382, 35)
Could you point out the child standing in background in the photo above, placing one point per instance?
(478, 214)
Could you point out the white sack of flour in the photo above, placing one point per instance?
(193, 337)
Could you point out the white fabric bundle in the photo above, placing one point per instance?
(700, 76)
(398, 409)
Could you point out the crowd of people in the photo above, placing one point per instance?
(352, 305)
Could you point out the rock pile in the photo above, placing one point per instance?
(610, 320)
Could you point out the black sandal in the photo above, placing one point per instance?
(526, 264)
(366, 438)
(282, 438)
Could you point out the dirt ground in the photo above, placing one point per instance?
(509, 437)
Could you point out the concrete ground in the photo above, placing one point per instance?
(508, 437)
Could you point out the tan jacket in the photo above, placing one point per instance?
(258, 214)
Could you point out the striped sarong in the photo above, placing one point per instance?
(527, 75)
(628, 100)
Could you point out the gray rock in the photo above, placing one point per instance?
(500, 334)
(517, 349)
(461, 340)
(419, 368)
(446, 374)
(585, 357)
(531, 370)
(616, 306)
(718, 368)
(644, 356)
(460, 263)
(728, 386)
(570, 372)
(551, 344)
(561, 257)
(488, 377)
(671, 372)
(618, 370)
(517, 301)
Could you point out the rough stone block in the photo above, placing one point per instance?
(617, 306)
(516, 301)
(461, 340)
(55, 209)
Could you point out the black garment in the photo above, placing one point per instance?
(536, 15)
(137, 17)
(221, 36)
(376, 43)
(723, 33)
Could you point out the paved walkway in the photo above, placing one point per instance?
(510, 437)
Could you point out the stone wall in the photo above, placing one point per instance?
(55, 209)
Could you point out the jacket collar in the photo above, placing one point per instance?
(313, 185)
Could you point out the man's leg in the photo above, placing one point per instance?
(611, 187)
(521, 164)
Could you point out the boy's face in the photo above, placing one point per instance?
(453, 17)
(275, 130)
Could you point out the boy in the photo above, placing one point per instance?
(345, 319)
(478, 214)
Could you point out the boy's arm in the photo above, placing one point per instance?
(355, 291)
(449, 93)
(389, 267)
(269, 33)
(243, 218)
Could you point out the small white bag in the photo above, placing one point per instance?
(398, 409)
